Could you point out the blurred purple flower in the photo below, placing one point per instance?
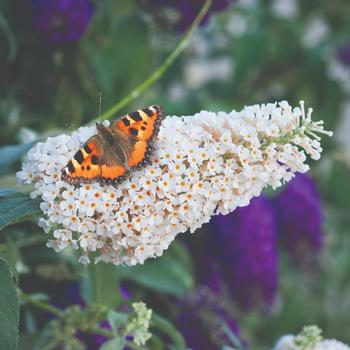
(206, 267)
(189, 10)
(299, 213)
(71, 296)
(343, 54)
(245, 244)
(201, 321)
(62, 21)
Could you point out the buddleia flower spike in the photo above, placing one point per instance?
(202, 165)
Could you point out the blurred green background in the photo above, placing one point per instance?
(250, 52)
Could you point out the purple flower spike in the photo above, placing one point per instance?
(343, 54)
(189, 9)
(62, 21)
(201, 321)
(246, 245)
(299, 212)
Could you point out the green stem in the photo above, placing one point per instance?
(9, 36)
(133, 346)
(41, 304)
(158, 73)
(104, 332)
(167, 328)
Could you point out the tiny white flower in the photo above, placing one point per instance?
(285, 8)
(68, 207)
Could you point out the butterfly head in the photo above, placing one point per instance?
(99, 126)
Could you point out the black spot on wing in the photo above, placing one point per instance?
(94, 160)
(71, 167)
(126, 121)
(148, 111)
(79, 156)
(136, 116)
(133, 131)
(87, 149)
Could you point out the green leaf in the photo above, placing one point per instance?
(232, 337)
(12, 153)
(337, 186)
(9, 308)
(11, 255)
(103, 56)
(103, 282)
(27, 341)
(16, 209)
(249, 53)
(30, 323)
(116, 319)
(166, 327)
(45, 339)
(4, 192)
(171, 273)
(8, 33)
(113, 344)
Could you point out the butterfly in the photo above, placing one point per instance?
(116, 151)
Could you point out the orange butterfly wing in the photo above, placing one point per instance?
(83, 167)
(141, 126)
(113, 173)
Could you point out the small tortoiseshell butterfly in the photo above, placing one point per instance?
(111, 155)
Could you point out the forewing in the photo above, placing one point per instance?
(85, 164)
(142, 124)
(141, 127)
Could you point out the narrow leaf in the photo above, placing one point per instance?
(116, 319)
(167, 274)
(12, 153)
(9, 308)
(166, 327)
(232, 337)
(16, 209)
(113, 344)
(4, 192)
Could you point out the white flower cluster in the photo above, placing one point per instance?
(203, 165)
(287, 343)
(309, 339)
(139, 324)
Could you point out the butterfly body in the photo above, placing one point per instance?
(116, 151)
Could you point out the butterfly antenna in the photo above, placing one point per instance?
(100, 104)
(71, 125)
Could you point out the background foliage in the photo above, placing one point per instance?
(252, 52)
